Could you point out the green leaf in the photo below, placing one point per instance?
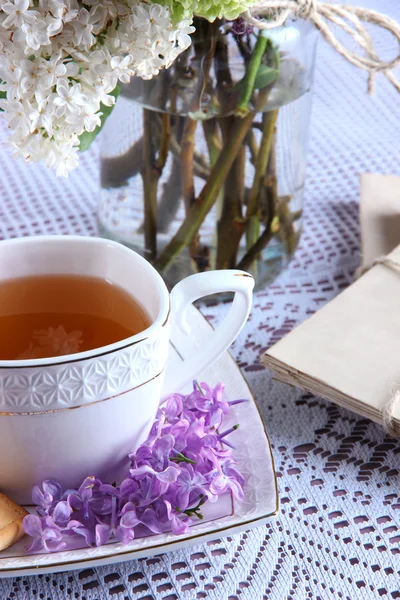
(265, 76)
(86, 139)
(3, 95)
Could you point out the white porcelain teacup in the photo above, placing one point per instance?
(72, 416)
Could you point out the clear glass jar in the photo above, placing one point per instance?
(203, 166)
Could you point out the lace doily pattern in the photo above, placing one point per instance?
(338, 532)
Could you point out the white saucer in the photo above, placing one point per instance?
(227, 516)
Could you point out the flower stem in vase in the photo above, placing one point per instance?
(165, 137)
(226, 177)
(117, 170)
(217, 134)
(230, 226)
(189, 132)
(200, 165)
(170, 197)
(213, 185)
(253, 147)
(149, 188)
(207, 196)
(187, 154)
(213, 139)
(187, 174)
(172, 189)
(270, 230)
(287, 232)
(270, 182)
(250, 78)
(151, 172)
(253, 202)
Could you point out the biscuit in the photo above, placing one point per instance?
(11, 516)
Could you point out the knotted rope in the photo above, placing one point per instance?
(387, 413)
(381, 260)
(350, 19)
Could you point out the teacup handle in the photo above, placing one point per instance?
(183, 295)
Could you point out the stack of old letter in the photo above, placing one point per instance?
(349, 351)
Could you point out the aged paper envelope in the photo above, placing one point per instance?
(349, 351)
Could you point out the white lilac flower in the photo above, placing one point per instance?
(62, 156)
(150, 19)
(42, 118)
(88, 119)
(61, 60)
(54, 26)
(121, 67)
(18, 14)
(33, 34)
(69, 98)
(114, 8)
(181, 34)
(56, 7)
(50, 70)
(83, 29)
(9, 72)
(17, 115)
(98, 17)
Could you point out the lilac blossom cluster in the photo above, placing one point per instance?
(61, 62)
(185, 462)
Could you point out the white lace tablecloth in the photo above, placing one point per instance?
(338, 532)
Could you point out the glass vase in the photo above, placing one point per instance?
(203, 166)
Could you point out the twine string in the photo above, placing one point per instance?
(350, 19)
(381, 260)
(387, 413)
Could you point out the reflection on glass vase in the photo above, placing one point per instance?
(203, 166)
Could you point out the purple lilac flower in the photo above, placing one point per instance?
(179, 525)
(47, 497)
(185, 462)
(156, 456)
(46, 534)
(208, 401)
(125, 532)
(192, 485)
(78, 528)
(123, 528)
(226, 478)
(241, 27)
(173, 406)
(89, 500)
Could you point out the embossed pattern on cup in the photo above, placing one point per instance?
(67, 385)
